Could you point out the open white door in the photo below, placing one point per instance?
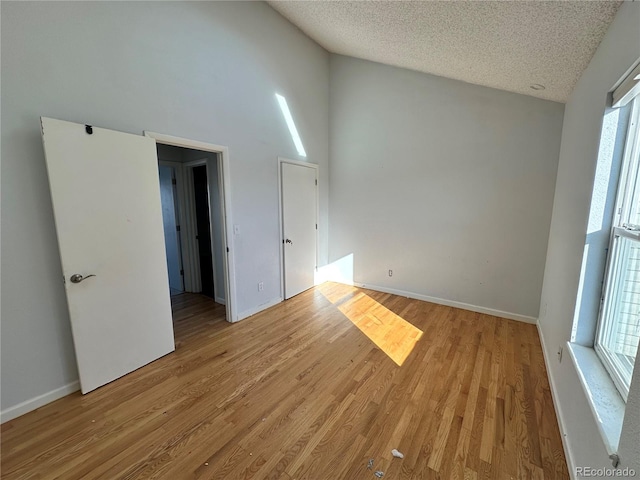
(106, 202)
(299, 225)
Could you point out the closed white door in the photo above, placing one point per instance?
(299, 221)
(106, 201)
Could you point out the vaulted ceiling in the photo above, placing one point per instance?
(537, 48)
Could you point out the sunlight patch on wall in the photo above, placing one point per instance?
(292, 126)
(340, 271)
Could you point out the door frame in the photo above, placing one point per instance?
(299, 163)
(224, 179)
(192, 230)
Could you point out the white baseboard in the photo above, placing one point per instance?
(37, 402)
(221, 301)
(258, 309)
(567, 451)
(451, 303)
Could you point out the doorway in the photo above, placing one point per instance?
(201, 205)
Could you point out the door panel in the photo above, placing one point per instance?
(299, 219)
(106, 201)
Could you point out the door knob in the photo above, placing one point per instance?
(288, 241)
(77, 278)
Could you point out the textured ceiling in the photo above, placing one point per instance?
(509, 45)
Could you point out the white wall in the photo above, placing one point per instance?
(448, 184)
(207, 71)
(578, 154)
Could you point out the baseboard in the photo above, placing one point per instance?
(37, 402)
(451, 303)
(258, 309)
(567, 451)
(221, 301)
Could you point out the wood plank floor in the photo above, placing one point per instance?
(310, 389)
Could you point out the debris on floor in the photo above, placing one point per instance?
(396, 453)
(370, 464)
(379, 474)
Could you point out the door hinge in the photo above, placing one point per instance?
(227, 249)
(316, 181)
(177, 228)
(181, 272)
(174, 181)
(316, 226)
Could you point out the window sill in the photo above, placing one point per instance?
(605, 401)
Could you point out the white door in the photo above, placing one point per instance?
(299, 222)
(106, 202)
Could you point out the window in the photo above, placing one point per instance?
(618, 330)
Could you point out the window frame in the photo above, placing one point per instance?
(628, 184)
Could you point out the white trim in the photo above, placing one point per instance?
(259, 308)
(603, 397)
(281, 229)
(225, 197)
(184, 142)
(568, 455)
(300, 163)
(39, 401)
(221, 301)
(227, 233)
(450, 303)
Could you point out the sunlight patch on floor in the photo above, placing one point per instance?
(391, 333)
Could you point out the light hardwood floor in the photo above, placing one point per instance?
(310, 389)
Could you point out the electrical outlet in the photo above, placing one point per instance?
(260, 286)
(391, 273)
(560, 348)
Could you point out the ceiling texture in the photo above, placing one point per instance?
(509, 45)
